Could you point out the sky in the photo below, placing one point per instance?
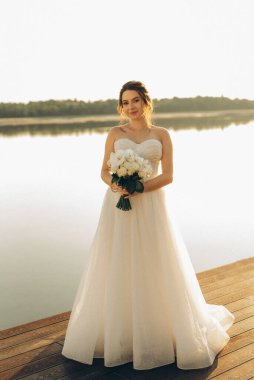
(87, 49)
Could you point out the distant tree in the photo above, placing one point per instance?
(76, 107)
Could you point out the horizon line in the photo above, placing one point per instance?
(106, 99)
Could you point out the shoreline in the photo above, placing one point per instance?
(65, 120)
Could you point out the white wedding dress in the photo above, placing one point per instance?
(139, 299)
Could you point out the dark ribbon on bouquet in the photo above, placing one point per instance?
(131, 183)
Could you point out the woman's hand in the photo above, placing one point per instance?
(115, 188)
(136, 193)
(133, 195)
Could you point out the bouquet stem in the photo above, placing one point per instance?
(124, 203)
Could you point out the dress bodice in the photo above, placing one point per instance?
(150, 149)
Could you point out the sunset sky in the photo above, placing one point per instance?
(87, 49)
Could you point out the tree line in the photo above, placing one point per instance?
(109, 107)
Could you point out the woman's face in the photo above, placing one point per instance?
(133, 105)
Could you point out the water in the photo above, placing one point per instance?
(51, 195)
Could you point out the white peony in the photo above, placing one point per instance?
(120, 161)
(127, 162)
(113, 165)
(115, 160)
(114, 168)
(135, 166)
(122, 171)
(129, 166)
(142, 173)
(119, 154)
(129, 155)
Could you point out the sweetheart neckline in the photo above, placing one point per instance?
(126, 138)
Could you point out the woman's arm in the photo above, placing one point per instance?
(166, 165)
(109, 147)
(105, 174)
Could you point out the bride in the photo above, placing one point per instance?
(139, 299)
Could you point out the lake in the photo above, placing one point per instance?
(51, 194)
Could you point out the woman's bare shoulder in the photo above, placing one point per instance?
(117, 130)
(161, 132)
(114, 132)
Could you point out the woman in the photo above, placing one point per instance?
(139, 299)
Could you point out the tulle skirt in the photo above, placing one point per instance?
(139, 299)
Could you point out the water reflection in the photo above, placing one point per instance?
(93, 124)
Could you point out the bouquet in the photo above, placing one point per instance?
(128, 170)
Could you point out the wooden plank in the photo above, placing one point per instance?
(244, 313)
(69, 368)
(239, 304)
(227, 281)
(230, 289)
(228, 274)
(221, 366)
(228, 298)
(33, 334)
(30, 356)
(33, 367)
(34, 325)
(31, 345)
(244, 371)
(238, 341)
(242, 326)
(238, 265)
(223, 268)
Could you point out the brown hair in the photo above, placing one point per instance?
(141, 89)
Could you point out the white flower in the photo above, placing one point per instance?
(129, 155)
(115, 160)
(135, 166)
(113, 164)
(127, 162)
(120, 156)
(114, 169)
(122, 171)
(142, 173)
(127, 165)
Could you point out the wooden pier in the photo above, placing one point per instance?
(32, 351)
